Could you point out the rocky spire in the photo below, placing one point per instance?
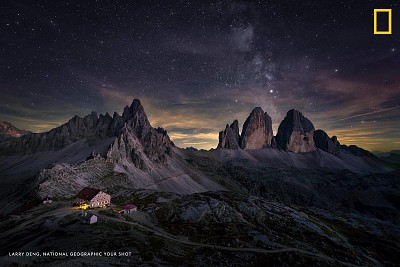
(296, 133)
(138, 141)
(257, 130)
(229, 138)
(136, 118)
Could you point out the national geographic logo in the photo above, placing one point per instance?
(380, 21)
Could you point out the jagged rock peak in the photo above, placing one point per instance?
(322, 141)
(136, 117)
(300, 123)
(296, 133)
(136, 105)
(137, 141)
(257, 130)
(235, 127)
(135, 108)
(91, 119)
(229, 138)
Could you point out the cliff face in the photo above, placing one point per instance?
(229, 138)
(153, 147)
(257, 130)
(296, 133)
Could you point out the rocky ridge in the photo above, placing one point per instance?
(94, 129)
(333, 146)
(7, 130)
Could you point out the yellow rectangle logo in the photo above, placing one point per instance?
(376, 11)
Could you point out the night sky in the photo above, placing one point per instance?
(198, 65)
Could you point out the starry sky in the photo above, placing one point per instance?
(198, 65)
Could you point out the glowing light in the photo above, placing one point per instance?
(84, 206)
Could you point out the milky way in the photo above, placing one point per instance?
(196, 66)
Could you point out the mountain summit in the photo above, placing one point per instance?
(138, 136)
(296, 133)
(229, 138)
(256, 132)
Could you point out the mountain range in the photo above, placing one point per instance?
(130, 146)
(299, 168)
